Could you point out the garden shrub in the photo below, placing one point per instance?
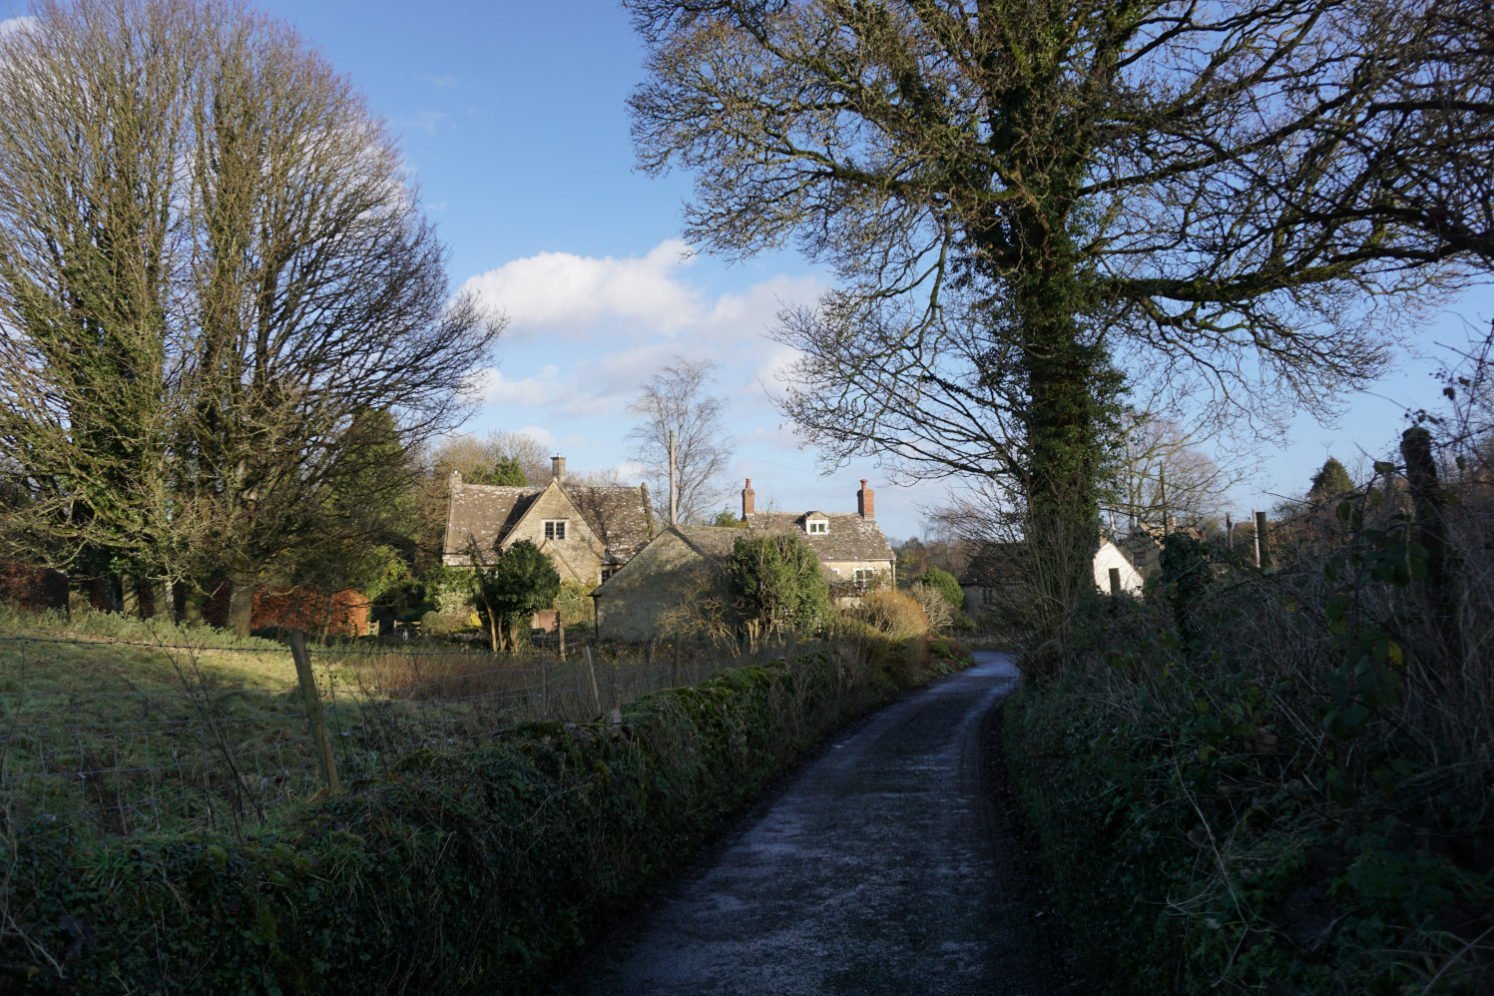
(777, 583)
(894, 614)
(935, 608)
(946, 584)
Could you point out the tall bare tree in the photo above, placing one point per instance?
(1033, 205)
(288, 286)
(673, 404)
(1156, 472)
(90, 347)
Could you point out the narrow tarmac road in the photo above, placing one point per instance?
(880, 868)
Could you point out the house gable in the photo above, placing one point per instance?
(998, 570)
(666, 577)
(583, 529)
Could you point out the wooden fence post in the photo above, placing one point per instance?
(313, 699)
(596, 696)
(544, 689)
(1431, 533)
(1262, 546)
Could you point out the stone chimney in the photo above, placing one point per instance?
(865, 502)
(749, 498)
(557, 468)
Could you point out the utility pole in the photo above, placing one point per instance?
(673, 501)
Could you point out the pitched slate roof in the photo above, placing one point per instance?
(618, 515)
(713, 542)
(849, 537)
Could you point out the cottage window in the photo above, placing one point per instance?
(818, 527)
(866, 578)
(555, 529)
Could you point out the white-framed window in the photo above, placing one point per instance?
(817, 527)
(555, 529)
(865, 577)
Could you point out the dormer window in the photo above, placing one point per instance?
(817, 526)
(555, 529)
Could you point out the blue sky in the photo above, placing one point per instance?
(511, 117)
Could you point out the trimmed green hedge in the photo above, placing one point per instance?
(1202, 834)
(483, 871)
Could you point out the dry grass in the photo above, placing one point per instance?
(118, 726)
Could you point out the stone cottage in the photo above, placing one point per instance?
(588, 532)
(679, 565)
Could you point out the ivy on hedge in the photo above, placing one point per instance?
(479, 871)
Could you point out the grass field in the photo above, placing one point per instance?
(120, 726)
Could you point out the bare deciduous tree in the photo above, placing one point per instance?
(475, 457)
(1030, 205)
(284, 285)
(1156, 472)
(673, 403)
(90, 345)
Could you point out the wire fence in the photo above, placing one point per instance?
(126, 736)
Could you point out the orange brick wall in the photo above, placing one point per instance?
(344, 613)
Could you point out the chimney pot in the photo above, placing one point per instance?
(866, 501)
(557, 468)
(749, 498)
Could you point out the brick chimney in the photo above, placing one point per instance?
(748, 500)
(865, 502)
(557, 468)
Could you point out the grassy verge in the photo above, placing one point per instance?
(469, 870)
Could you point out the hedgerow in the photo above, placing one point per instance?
(1272, 782)
(479, 871)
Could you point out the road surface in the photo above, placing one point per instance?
(882, 867)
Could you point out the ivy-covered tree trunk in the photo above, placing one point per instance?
(241, 601)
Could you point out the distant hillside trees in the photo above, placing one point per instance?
(213, 272)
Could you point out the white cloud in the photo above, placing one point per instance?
(16, 24)
(587, 333)
(538, 389)
(427, 121)
(443, 81)
(562, 292)
(629, 470)
(544, 437)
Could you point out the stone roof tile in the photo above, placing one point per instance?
(849, 537)
(617, 515)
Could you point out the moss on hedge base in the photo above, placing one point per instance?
(481, 871)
